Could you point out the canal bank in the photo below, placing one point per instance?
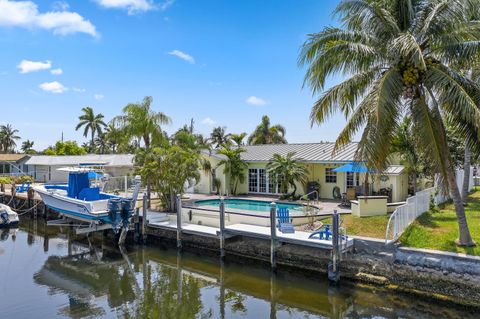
(430, 274)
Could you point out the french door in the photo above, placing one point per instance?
(259, 182)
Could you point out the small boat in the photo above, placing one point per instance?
(8, 217)
(82, 199)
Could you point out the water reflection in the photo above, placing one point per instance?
(86, 277)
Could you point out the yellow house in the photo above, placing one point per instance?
(320, 163)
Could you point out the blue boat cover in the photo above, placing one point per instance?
(93, 175)
(76, 183)
(89, 194)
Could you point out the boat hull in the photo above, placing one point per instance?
(11, 219)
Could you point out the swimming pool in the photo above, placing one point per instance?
(248, 204)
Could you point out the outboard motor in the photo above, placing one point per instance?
(114, 209)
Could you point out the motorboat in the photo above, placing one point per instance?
(8, 217)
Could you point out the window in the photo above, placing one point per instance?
(353, 179)
(263, 181)
(252, 180)
(330, 175)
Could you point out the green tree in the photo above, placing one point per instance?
(92, 123)
(27, 147)
(65, 148)
(234, 166)
(141, 122)
(8, 138)
(265, 133)
(397, 56)
(219, 137)
(116, 138)
(288, 171)
(238, 138)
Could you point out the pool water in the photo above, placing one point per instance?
(247, 204)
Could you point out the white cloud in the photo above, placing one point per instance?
(25, 14)
(182, 55)
(27, 66)
(60, 6)
(98, 96)
(132, 6)
(166, 4)
(54, 87)
(56, 71)
(78, 90)
(208, 121)
(253, 100)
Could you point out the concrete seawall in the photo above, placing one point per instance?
(442, 276)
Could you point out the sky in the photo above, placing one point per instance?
(222, 63)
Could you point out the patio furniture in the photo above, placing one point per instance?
(326, 233)
(284, 221)
(23, 188)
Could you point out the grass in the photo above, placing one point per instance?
(439, 229)
(374, 226)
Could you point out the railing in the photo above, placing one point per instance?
(404, 215)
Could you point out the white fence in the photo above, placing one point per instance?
(121, 185)
(416, 205)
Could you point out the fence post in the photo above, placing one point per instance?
(222, 228)
(273, 236)
(179, 221)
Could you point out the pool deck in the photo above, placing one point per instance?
(298, 238)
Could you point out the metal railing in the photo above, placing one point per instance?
(404, 215)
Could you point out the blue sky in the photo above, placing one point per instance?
(220, 62)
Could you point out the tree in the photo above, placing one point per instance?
(8, 136)
(265, 133)
(65, 148)
(168, 169)
(218, 137)
(234, 166)
(116, 138)
(27, 147)
(101, 144)
(238, 138)
(140, 121)
(92, 123)
(398, 55)
(288, 171)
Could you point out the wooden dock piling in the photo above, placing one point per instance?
(179, 221)
(222, 228)
(144, 218)
(273, 236)
(333, 267)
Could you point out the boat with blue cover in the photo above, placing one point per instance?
(82, 199)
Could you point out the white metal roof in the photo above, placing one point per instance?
(74, 160)
(307, 152)
(394, 170)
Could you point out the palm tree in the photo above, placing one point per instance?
(288, 171)
(234, 166)
(115, 137)
(8, 136)
(397, 55)
(141, 122)
(218, 137)
(92, 123)
(238, 138)
(27, 146)
(265, 133)
(102, 144)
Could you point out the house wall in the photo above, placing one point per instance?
(204, 185)
(51, 174)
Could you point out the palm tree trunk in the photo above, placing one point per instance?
(414, 183)
(466, 172)
(465, 239)
(92, 141)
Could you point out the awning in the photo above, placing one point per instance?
(352, 168)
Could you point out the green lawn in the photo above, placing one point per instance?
(438, 230)
(374, 226)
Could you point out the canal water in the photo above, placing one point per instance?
(47, 272)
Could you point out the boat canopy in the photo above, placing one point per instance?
(77, 181)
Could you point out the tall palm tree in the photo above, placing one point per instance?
(238, 138)
(265, 133)
(115, 137)
(219, 137)
(397, 55)
(27, 146)
(234, 166)
(288, 171)
(140, 121)
(92, 123)
(8, 136)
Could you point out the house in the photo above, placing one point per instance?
(13, 164)
(320, 163)
(44, 168)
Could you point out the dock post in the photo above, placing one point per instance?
(222, 228)
(136, 225)
(144, 218)
(273, 236)
(179, 221)
(334, 265)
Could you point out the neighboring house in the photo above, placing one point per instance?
(320, 162)
(44, 168)
(13, 164)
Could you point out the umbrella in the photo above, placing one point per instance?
(352, 168)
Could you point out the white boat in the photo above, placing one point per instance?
(83, 201)
(7, 216)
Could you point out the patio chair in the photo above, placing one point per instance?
(284, 221)
(23, 188)
(325, 233)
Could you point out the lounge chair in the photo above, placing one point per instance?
(284, 221)
(325, 233)
(23, 188)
